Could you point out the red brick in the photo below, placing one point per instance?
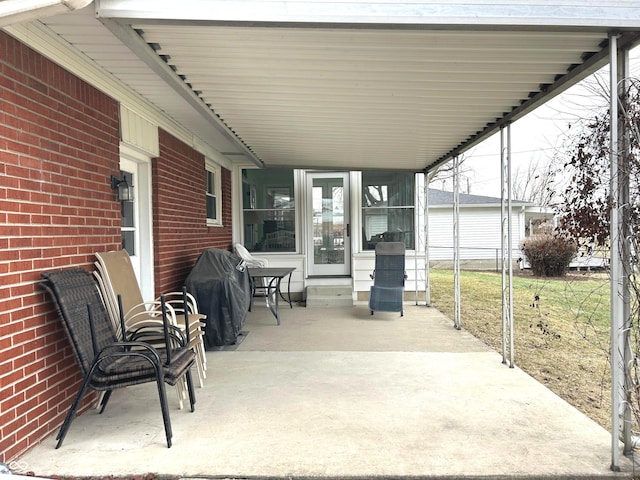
(58, 209)
(12, 402)
(39, 183)
(179, 238)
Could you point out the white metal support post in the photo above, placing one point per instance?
(617, 367)
(416, 237)
(620, 260)
(624, 199)
(503, 245)
(456, 243)
(507, 254)
(427, 283)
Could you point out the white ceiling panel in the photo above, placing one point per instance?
(338, 95)
(357, 97)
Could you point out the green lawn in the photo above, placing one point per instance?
(562, 339)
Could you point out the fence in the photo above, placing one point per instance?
(491, 258)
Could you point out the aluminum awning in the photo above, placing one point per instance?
(347, 85)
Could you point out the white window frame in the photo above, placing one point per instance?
(214, 168)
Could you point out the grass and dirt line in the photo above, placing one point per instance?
(561, 329)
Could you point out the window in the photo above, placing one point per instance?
(128, 215)
(213, 195)
(269, 210)
(387, 208)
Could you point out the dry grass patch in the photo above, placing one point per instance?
(561, 329)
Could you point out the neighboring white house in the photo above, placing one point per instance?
(480, 227)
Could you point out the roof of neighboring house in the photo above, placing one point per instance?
(444, 198)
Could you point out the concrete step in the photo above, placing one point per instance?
(329, 296)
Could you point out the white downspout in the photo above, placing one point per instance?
(17, 11)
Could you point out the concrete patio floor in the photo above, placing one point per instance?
(339, 393)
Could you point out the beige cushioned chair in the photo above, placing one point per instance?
(116, 276)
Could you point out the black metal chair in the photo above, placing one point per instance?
(107, 362)
(387, 291)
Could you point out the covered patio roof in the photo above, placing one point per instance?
(346, 85)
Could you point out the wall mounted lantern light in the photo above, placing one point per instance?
(125, 191)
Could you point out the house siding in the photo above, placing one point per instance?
(58, 148)
(479, 233)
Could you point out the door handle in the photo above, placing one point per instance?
(348, 229)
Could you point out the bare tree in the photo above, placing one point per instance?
(535, 184)
(444, 174)
(585, 210)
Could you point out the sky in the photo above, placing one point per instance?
(535, 138)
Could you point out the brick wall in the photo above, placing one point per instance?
(58, 148)
(59, 145)
(180, 218)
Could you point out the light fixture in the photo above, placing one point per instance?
(125, 191)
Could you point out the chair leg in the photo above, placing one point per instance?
(192, 393)
(180, 394)
(201, 360)
(72, 411)
(164, 407)
(104, 400)
(200, 370)
(99, 400)
(203, 356)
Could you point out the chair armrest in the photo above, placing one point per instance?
(123, 349)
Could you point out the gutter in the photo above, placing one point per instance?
(18, 11)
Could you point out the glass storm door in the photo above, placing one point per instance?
(328, 222)
(137, 224)
(130, 215)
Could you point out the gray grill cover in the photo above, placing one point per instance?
(222, 292)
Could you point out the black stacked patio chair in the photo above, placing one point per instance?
(387, 291)
(107, 362)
